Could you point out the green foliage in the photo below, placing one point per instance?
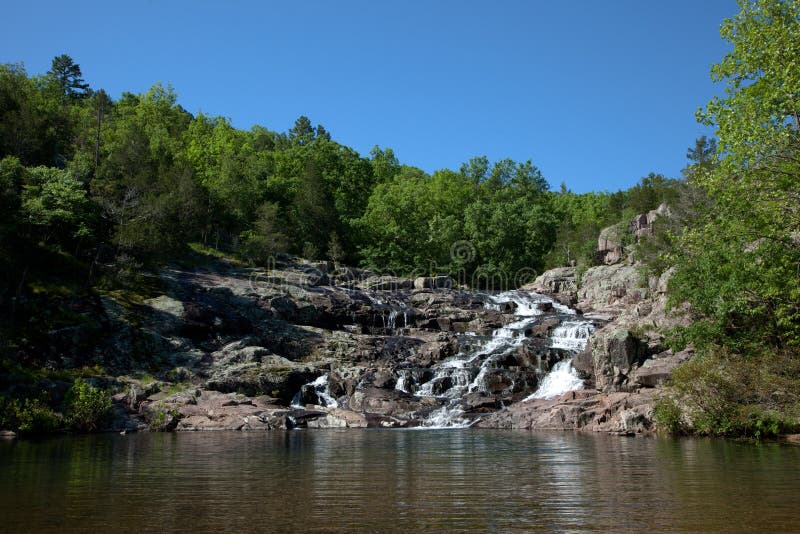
(162, 419)
(726, 394)
(737, 266)
(669, 417)
(55, 203)
(28, 416)
(265, 239)
(86, 408)
(68, 77)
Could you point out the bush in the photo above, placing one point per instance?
(86, 407)
(727, 394)
(669, 417)
(163, 419)
(28, 416)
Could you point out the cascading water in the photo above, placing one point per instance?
(321, 389)
(535, 348)
(467, 372)
(572, 335)
(559, 380)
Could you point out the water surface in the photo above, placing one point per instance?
(389, 480)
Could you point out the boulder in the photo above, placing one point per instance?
(656, 371)
(386, 283)
(260, 374)
(339, 418)
(615, 353)
(388, 402)
(560, 280)
(611, 285)
(590, 410)
(609, 244)
(433, 282)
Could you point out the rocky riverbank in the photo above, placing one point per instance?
(310, 344)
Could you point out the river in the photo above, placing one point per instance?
(396, 480)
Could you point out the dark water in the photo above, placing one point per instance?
(407, 481)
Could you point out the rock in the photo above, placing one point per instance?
(7, 434)
(166, 305)
(615, 353)
(609, 244)
(212, 410)
(386, 283)
(482, 403)
(583, 363)
(656, 371)
(612, 285)
(433, 282)
(560, 280)
(265, 373)
(387, 402)
(579, 410)
(434, 351)
(339, 418)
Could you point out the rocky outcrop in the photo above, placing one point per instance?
(615, 354)
(560, 282)
(625, 362)
(611, 243)
(590, 410)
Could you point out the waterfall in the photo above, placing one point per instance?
(321, 389)
(559, 380)
(467, 372)
(494, 368)
(572, 335)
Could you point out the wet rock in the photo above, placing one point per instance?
(482, 403)
(433, 352)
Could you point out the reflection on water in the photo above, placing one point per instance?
(379, 480)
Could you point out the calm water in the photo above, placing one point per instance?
(384, 480)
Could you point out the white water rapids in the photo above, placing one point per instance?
(469, 372)
(456, 376)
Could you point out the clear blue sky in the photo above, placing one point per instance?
(595, 93)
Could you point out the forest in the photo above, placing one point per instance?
(95, 190)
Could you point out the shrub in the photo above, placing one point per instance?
(86, 407)
(727, 394)
(668, 416)
(163, 419)
(28, 416)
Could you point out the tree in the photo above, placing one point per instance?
(385, 165)
(56, 204)
(68, 77)
(302, 133)
(102, 106)
(266, 237)
(738, 268)
(335, 249)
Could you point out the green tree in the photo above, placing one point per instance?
(266, 237)
(739, 266)
(56, 204)
(68, 77)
